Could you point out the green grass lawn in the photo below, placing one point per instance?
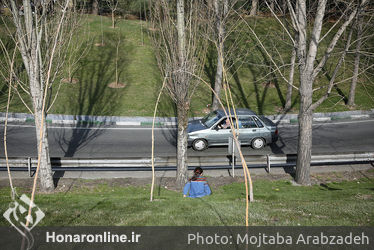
(253, 84)
(276, 203)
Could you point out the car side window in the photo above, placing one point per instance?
(247, 122)
(258, 122)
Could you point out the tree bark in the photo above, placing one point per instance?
(113, 20)
(182, 166)
(254, 7)
(46, 179)
(352, 92)
(181, 31)
(182, 103)
(220, 12)
(36, 90)
(304, 148)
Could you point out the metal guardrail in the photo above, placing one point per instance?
(168, 164)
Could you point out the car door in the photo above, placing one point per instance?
(219, 136)
(248, 130)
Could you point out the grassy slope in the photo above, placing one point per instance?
(139, 71)
(277, 203)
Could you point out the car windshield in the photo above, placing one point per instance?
(210, 119)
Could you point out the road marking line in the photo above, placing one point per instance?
(168, 128)
(93, 128)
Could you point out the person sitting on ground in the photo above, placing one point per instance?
(197, 186)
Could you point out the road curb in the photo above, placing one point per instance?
(172, 121)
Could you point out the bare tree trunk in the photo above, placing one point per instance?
(288, 103)
(182, 104)
(352, 92)
(113, 20)
(36, 89)
(45, 173)
(220, 12)
(182, 171)
(181, 32)
(306, 59)
(304, 148)
(254, 7)
(95, 7)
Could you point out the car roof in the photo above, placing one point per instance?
(239, 111)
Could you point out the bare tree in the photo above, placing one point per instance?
(226, 34)
(42, 31)
(117, 83)
(310, 68)
(221, 8)
(78, 48)
(177, 27)
(113, 5)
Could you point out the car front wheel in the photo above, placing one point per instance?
(258, 143)
(199, 144)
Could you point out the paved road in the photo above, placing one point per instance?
(122, 142)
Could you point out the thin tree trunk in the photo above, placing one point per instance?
(254, 7)
(182, 166)
(218, 81)
(352, 92)
(113, 20)
(288, 104)
(220, 15)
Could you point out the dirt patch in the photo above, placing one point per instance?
(66, 185)
(364, 196)
(70, 80)
(131, 17)
(117, 85)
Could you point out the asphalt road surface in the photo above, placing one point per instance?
(124, 142)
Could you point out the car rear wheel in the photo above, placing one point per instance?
(199, 144)
(258, 143)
